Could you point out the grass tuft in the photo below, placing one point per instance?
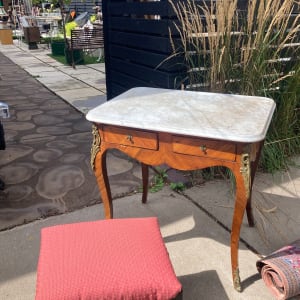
(86, 59)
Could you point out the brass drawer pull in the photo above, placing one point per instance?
(130, 138)
(203, 149)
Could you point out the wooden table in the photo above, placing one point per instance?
(187, 131)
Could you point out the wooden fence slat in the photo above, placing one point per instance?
(153, 60)
(158, 27)
(155, 77)
(124, 79)
(140, 8)
(141, 41)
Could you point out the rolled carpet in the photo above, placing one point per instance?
(281, 271)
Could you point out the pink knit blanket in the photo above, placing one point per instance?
(281, 271)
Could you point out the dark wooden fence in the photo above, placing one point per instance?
(137, 45)
(137, 41)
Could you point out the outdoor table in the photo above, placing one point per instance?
(187, 131)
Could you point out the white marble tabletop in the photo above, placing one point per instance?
(210, 115)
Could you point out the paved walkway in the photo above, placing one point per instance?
(46, 168)
(83, 87)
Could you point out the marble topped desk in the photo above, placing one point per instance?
(187, 131)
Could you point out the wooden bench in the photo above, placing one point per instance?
(85, 39)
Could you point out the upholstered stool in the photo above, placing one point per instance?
(107, 259)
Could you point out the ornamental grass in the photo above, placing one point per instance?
(248, 48)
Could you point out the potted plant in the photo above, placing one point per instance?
(59, 45)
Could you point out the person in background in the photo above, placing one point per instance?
(97, 16)
(35, 11)
(10, 15)
(70, 23)
(72, 15)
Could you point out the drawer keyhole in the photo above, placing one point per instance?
(203, 149)
(130, 138)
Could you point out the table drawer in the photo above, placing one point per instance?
(204, 147)
(130, 137)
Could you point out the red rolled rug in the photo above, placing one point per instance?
(281, 271)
